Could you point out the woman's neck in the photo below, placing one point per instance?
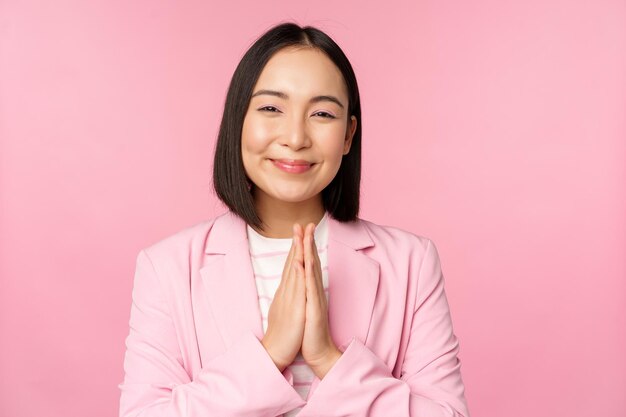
(280, 216)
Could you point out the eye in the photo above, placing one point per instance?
(327, 115)
(267, 108)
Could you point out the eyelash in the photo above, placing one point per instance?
(329, 116)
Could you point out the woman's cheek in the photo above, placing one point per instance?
(256, 136)
(336, 139)
(264, 130)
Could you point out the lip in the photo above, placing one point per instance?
(293, 166)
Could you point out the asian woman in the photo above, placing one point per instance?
(288, 303)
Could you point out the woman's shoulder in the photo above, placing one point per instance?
(400, 245)
(184, 242)
(391, 235)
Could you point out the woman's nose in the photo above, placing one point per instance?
(296, 134)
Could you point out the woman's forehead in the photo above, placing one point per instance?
(302, 71)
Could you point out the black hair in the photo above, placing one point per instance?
(232, 186)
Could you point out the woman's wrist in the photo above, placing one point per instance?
(279, 364)
(325, 365)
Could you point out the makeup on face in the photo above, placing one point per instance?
(293, 166)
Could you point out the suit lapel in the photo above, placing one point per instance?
(231, 291)
(229, 280)
(352, 281)
(352, 284)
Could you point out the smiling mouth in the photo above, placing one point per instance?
(293, 168)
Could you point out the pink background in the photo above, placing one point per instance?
(500, 127)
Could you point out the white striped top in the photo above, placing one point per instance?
(268, 257)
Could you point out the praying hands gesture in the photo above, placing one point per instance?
(298, 315)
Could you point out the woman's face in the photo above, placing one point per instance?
(298, 111)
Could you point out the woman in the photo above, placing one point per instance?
(288, 303)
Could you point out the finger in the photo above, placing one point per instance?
(317, 266)
(299, 282)
(287, 283)
(307, 255)
(299, 256)
(318, 263)
(312, 280)
(288, 262)
(292, 251)
(297, 262)
(313, 251)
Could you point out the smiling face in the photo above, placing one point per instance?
(298, 112)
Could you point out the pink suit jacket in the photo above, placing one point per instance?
(194, 347)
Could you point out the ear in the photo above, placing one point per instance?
(349, 134)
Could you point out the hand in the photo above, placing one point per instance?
(286, 316)
(318, 349)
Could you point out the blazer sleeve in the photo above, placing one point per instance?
(361, 384)
(242, 381)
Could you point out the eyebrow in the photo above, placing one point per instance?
(284, 96)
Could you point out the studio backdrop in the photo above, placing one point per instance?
(496, 129)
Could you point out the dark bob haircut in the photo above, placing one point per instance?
(230, 182)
